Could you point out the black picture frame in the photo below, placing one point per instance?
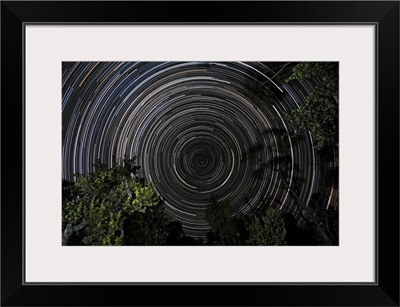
(383, 14)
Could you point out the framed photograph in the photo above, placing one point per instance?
(200, 153)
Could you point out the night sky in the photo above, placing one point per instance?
(196, 128)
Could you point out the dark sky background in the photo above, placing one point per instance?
(196, 128)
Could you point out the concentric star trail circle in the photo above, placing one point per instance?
(194, 128)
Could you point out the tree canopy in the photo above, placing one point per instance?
(105, 200)
(320, 111)
(267, 229)
(114, 207)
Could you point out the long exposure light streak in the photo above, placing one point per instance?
(195, 129)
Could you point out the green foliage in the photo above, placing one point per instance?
(326, 71)
(264, 229)
(106, 200)
(103, 225)
(267, 229)
(144, 197)
(319, 113)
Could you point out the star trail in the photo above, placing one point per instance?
(196, 130)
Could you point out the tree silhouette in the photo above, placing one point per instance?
(219, 216)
